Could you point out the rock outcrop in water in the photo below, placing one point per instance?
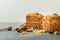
(49, 23)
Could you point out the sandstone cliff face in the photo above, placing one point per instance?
(34, 20)
(51, 23)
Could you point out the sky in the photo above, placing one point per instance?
(16, 10)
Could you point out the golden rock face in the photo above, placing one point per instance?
(33, 20)
(49, 23)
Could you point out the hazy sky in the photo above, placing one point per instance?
(15, 10)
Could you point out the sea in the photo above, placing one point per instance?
(14, 35)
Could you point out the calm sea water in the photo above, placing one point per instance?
(14, 35)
